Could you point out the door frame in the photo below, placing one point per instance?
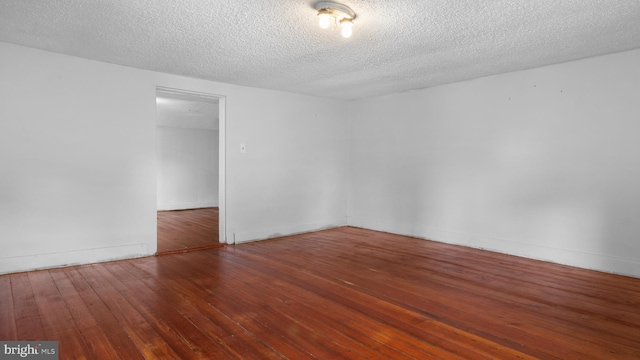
(222, 199)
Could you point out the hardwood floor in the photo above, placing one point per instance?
(188, 230)
(340, 293)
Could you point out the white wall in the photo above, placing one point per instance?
(187, 168)
(187, 165)
(540, 163)
(77, 157)
(543, 163)
(78, 166)
(293, 176)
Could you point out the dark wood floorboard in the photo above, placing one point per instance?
(188, 230)
(7, 311)
(27, 320)
(344, 293)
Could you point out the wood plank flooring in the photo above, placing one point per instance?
(344, 293)
(188, 230)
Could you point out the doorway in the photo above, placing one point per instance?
(190, 170)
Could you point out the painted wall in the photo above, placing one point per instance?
(540, 163)
(77, 154)
(187, 162)
(78, 160)
(187, 168)
(293, 176)
(543, 163)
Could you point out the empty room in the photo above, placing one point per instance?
(320, 180)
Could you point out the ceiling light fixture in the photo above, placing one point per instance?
(330, 12)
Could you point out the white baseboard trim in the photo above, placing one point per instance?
(187, 205)
(585, 260)
(74, 257)
(291, 230)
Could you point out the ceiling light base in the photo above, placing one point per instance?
(339, 11)
(331, 12)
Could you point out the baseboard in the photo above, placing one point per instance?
(585, 260)
(75, 257)
(292, 230)
(187, 205)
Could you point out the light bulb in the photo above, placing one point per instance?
(347, 27)
(324, 19)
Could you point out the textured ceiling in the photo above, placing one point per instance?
(397, 45)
